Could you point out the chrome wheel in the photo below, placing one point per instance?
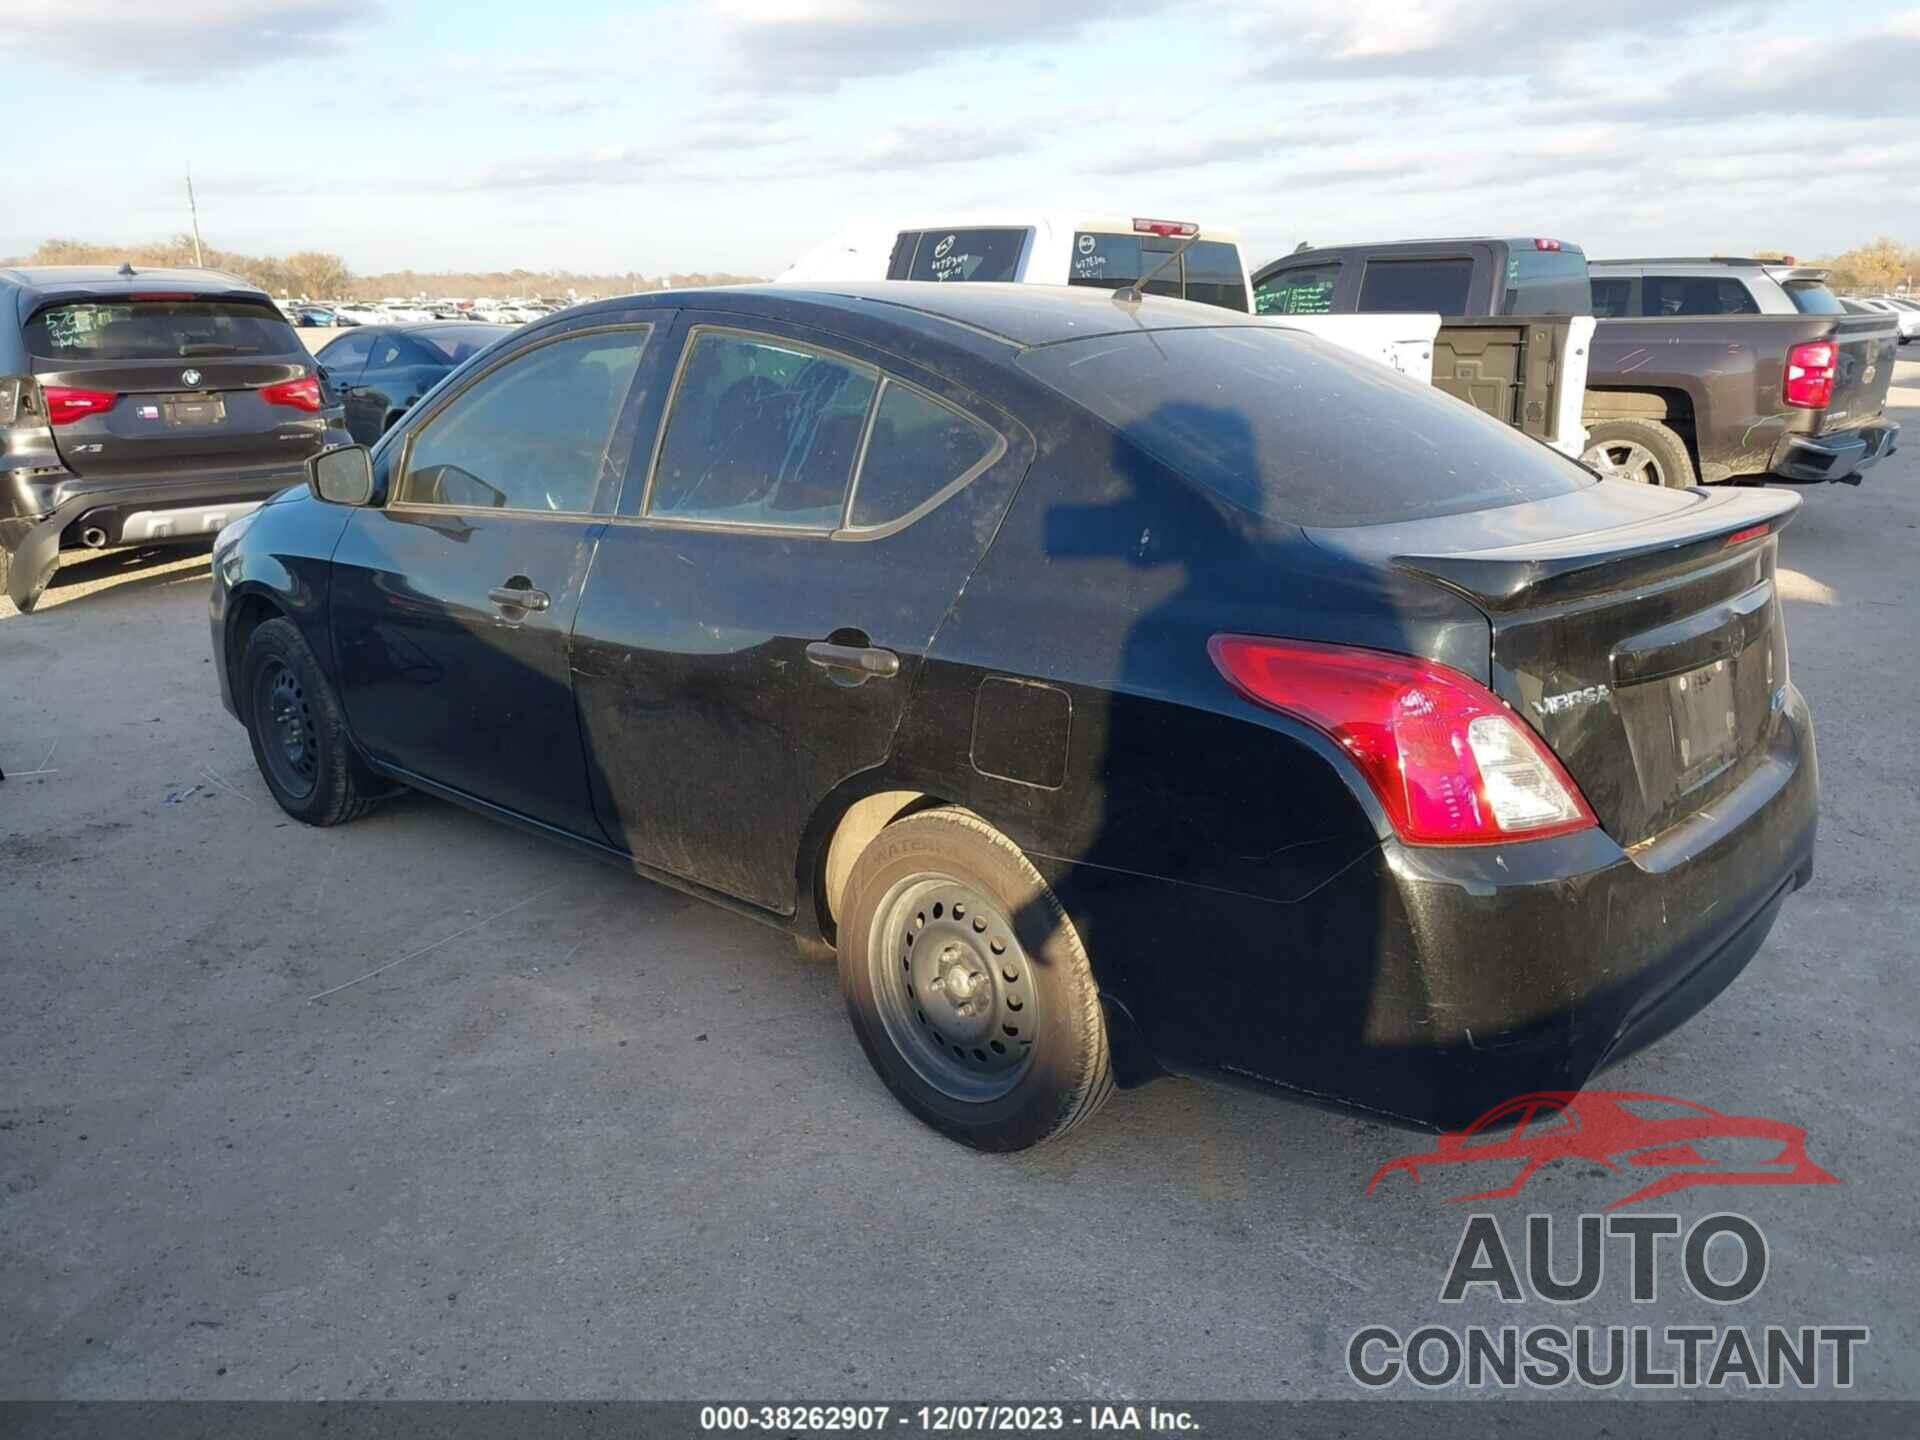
(953, 987)
(1625, 460)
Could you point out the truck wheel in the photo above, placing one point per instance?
(299, 734)
(968, 986)
(1643, 451)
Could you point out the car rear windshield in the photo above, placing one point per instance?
(1294, 429)
(957, 255)
(1207, 271)
(1546, 282)
(85, 331)
(461, 342)
(1388, 286)
(1811, 297)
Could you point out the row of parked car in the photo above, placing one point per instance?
(1700, 369)
(1114, 679)
(343, 314)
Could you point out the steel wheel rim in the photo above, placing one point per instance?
(1625, 460)
(953, 987)
(284, 716)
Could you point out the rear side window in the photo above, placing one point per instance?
(1208, 271)
(1295, 429)
(919, 447)
(1395, 285)
(967, 255)
(1545, 282)
(87, 331)
(1305, 290)
(1696, 295)
(530, 435)
(762, 432)
(1611, 298)
(1811, 297)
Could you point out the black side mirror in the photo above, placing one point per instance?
(341, 476)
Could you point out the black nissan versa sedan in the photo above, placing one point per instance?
(140, 406)
(1119, 688)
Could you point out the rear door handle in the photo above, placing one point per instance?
(867, 662)
(513, 597)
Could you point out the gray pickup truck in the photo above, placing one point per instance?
(1708, 369)
(1700, 369)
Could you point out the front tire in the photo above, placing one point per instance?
(298, 731)
(968, 986)
(1644, 452)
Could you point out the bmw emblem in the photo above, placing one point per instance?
(189, 377)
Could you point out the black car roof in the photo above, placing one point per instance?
(1016, 316)
(31, 286)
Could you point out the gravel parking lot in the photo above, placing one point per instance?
(574, 1134)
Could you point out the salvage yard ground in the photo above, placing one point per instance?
(425, 1107)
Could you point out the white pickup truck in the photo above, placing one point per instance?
(1529, 373)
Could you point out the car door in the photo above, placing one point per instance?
(757, 613)
(344, 362)
(452, 603)
(399, 370)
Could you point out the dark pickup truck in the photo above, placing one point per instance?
(1700, 369)
(1708, 369)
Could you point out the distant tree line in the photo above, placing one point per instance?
(1880, 265)
(320, 276)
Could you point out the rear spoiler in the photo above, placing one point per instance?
(1642, 551)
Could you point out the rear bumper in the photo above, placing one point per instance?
(129, 510)
(1837, 455)
(1427, 984)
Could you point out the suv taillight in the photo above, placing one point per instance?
(1809, 374)
(1449, 760)
(66, 404)
(300, 394)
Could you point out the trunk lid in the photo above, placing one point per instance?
(1638, 631)
(186, 372)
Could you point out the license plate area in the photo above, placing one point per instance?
(193, 411)
(1704, 721)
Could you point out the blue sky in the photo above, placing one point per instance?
(735, 135)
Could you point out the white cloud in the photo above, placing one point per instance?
(175, 40)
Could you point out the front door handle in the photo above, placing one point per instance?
(865, 661)
(515, 597)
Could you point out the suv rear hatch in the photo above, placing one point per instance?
(1636, 629)
(173, 382)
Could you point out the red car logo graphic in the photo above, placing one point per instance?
(1622, 1128)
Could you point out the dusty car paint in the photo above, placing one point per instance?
(1250, 913)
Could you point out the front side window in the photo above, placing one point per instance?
(1304, 290)
(968, 255)
(530, 435)
(918, 448)
(1416, 285)
(762, 431)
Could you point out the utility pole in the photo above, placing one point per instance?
(194, 211)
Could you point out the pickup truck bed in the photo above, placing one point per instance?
(1718, 381)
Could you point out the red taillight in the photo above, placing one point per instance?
(1809, 374)
(300, 394)
(66, 405)
(1540, 244)
(1449, 760)
(1740, 537)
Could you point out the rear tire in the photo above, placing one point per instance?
(1642, 451)
(991, 1030)
(298, 731)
